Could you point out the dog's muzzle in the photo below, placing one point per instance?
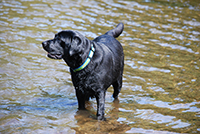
(51, 54)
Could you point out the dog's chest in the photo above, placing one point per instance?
(86, 82)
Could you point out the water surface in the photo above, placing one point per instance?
(160, 93)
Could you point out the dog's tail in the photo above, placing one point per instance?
(116, 31)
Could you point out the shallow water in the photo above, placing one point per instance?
(160, 93)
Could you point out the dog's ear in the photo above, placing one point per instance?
(76, 41)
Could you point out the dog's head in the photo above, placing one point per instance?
(69, 45)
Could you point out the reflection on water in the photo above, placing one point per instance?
(162, 67)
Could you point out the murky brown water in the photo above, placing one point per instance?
(161, 88)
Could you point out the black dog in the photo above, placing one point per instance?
(94, 65)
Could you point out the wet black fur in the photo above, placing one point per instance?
(104, 70)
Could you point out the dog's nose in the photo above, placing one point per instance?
(44, 44)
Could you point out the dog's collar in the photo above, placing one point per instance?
(87, 61)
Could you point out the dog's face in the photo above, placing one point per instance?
(69, 45)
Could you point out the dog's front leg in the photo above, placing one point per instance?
(100, 97)
(81, 99)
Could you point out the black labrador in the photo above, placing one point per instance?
(94, 64)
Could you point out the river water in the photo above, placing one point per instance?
(161, 84)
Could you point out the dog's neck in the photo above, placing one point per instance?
(87, 61)
(79, 62)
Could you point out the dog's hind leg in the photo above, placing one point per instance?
(117, 85)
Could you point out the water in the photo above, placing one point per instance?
(160, 93)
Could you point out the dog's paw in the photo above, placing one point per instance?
(101, 118)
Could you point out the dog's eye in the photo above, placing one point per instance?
(59, 39)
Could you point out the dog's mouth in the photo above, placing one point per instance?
(54, 56)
